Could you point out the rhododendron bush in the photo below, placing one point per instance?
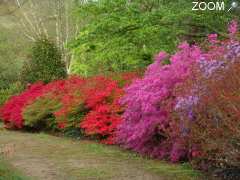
(211, 116)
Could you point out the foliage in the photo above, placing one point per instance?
(150, 126)
(123, 35)
(45, 64)
(10, 91)
(39, 114)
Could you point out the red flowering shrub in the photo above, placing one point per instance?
(64, 91)
(62, 104)
(102, 95)
(39, 114)
(102, 122)
(72, 100)
(11, 112)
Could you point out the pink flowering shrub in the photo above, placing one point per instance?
(148, 127)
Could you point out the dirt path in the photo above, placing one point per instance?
(46, 157)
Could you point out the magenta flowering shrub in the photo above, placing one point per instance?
(149, 123)
(148, 127)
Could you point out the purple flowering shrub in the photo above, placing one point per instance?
(160, 105)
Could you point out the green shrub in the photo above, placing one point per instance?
(39, 115)
(45, 63)
(11, 90)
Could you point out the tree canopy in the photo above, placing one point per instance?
(124, 35)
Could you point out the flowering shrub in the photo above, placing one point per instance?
(62, 91)
(216, 129)
(63, 104)
(39, 114)
(148, 127)
(209, 111)
(11, 112)
(219, 56)
(72, 110)
(102, 95)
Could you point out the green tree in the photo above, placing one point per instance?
(123, 35)
(45, 63)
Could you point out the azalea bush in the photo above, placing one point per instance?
(68, 92)
(58, 91)
(208, 112)
(104, 110)
(148, 127)
(11, 111)
(70, 104)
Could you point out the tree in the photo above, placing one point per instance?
(123, 35)
(50, 18)
(45, 64)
